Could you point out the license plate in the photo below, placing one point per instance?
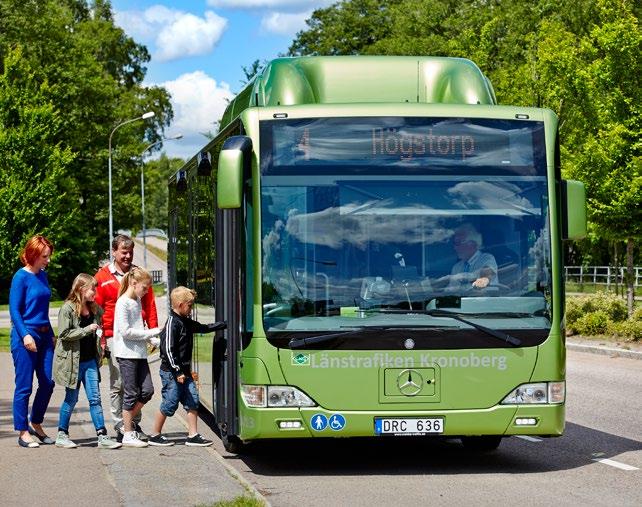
(408, 426)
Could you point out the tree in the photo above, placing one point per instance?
(34, 172)
(90, 74)
(348, 27)
(592, 79)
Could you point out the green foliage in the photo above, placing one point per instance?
(592, 323)
(68, 76)
(602, 313)
(35, 170)
(348, 27)
(629, 329)
(239, 501)
(609, 304)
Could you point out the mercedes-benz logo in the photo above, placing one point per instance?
(410, 382)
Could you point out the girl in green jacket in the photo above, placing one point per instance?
(77, 358)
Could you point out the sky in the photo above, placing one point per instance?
(199, 48)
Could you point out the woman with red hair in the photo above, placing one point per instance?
(32, 340)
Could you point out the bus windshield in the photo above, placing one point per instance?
(382, 222)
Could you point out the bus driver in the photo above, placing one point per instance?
(474, 269)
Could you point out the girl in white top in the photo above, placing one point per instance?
(130, 349)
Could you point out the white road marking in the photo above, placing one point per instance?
(530, 439)
(615, 464)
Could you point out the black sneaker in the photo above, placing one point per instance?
(119, 431)
(141, 434)
(159, 440)
(198, 441)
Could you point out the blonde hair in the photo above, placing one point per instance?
(82, 282)
(182, 294)
(140, 275)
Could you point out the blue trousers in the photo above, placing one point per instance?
(88, 375)
(26, 364)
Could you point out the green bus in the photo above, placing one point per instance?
(385, 243)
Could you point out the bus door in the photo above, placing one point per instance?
(228, 308)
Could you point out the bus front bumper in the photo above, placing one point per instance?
(262, 423)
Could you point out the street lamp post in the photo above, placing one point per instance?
(142, 188)
(145, 116)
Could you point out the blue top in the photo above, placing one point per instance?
(29, 301)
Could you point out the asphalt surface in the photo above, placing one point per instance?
(598, 460)
(152, 476)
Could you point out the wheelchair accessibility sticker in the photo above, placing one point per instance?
(337, 422)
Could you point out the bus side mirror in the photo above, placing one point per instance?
(233, 165)
(573, 209)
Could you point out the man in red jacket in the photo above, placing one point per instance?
(109, 278)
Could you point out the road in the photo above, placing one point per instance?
(153, 263)
(604, 422)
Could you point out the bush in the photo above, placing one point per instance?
(637, 314)
(592, 323)
(602, 303)
(629, 329)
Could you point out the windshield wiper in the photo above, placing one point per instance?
(496, 333)
(298, 343)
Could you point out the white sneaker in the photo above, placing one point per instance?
(104, 442)
(130, 439)
(63, 440)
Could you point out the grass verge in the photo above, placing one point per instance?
(4, 339)
(240, 501)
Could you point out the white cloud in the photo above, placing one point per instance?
(284, 23)
(176, 33)
(198, 101)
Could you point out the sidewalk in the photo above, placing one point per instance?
(632, 350)
(153, 476)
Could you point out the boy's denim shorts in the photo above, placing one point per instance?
(175, 393)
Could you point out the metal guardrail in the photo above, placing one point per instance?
(601, 275)
(157, 276)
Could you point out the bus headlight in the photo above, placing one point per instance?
(540, 393)
(275, 396)
(286, 396)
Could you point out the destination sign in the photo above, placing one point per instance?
(388, 143)
(407, 145)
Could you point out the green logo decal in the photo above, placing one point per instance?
(301, 359)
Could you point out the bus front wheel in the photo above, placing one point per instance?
(232, 444)
(482, 443)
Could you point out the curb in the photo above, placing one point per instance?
(233, 472)
(607, 351)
